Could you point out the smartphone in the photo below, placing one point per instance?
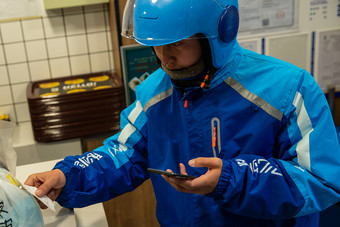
(171, 174)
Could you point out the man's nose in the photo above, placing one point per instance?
(166, 55)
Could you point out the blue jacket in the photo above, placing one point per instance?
(275, 135)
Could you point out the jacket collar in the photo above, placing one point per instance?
(219, 76)
(229, 68)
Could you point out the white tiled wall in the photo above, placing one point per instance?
(63, 42)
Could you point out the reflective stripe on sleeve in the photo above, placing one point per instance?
(305, 126)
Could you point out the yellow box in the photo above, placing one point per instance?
(56, 4)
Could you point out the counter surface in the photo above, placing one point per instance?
(79, 217)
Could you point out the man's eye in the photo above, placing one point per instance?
(176, 44)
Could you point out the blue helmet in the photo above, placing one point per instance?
(161, 22)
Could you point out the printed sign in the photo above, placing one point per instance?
(138, 63)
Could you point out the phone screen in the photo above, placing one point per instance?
(171, 174)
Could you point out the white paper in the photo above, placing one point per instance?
(329, 59)
(44, 199)
(262, 14)
(250, 45)
(10, 9)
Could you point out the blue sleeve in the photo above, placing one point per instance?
(303, 178)
(116, 167)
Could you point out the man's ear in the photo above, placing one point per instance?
(158, 60)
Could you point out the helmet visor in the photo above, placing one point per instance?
(157, 22)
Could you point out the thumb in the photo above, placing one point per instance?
(43, 189)
(206, 162)
(51, 181)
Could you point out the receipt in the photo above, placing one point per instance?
(44, 199)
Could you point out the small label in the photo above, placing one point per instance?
(12, 180)
(44, 199)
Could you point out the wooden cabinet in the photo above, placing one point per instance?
(133, 209)
(56, 4)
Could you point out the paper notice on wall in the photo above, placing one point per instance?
(263, 14)
(13, 9)
(252, 45)
(328, 73)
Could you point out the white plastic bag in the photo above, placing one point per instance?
(8, 156)
(17, 207)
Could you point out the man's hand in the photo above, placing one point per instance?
(202, 185)
(49, 183)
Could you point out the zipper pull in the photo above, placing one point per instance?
(185, 103)
(214, 138)
(205, 81)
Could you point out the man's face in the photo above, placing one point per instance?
(179, 55)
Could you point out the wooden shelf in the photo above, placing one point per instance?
(57, 4)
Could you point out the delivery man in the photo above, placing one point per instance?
(256, 132)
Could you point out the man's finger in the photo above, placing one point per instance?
(182, 169)
(172, 181)
(42, 206)
(34, 180)
(206, 162)
(44, 189)
(29, 181)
